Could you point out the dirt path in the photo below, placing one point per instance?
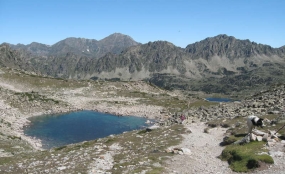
(205, 149)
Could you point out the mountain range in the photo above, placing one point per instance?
(114, 43)
(215, 64)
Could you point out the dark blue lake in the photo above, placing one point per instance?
(59, 130)
(219, 99)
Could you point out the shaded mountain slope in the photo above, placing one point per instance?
(216, 64)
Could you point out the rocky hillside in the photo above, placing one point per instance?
(145, 151)
(215, 64)
(114, 43)
(14, 59)
(230, 47)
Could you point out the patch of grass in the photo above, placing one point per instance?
(35, 96)
(143, 131)
(236, 125)
(60, 148)
(156, 170)
(145, 148)
(88, 143)
(14, 137)
(109, 140)
(4, 160)
(245, 158)
(229, 140)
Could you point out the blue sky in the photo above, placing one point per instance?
(181, 22)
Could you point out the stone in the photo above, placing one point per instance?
(270, 144)
(38, 144)
(152, 128)
(244, 140)
(168, 150)
(272, 132)
(252, 137)
(186, 151)
(276, 154)
(148, 122)
(61, 168)
(258, 132)
(259, 138)
(265, 137)
(271, 140)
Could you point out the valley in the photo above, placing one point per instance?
(157, 81)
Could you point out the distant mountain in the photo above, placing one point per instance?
(230, 47)
(33, 48)
(213, 57)
(14, 59)
(215, 64)
(114, 43)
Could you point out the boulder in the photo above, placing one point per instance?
(252, 137)
(258, 132)
(265, 137)
(259, 138)
(153, 127)
(186, 151)
(244, 140)
(61, 168)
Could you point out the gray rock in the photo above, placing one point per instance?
(244, 140)
(61, 168)
(153, 127)
(259, 138)
(258, 132)
(186, 151)
(265, 137)
(252, 137)
(276, 154)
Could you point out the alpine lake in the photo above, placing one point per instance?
(62, 129)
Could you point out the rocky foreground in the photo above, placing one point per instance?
(24, 95)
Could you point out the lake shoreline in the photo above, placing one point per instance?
(19, 125)
(56, 130)
(215, 99)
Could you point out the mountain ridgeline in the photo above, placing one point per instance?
(216, 64)
(114, 43)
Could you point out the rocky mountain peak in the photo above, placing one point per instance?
(119, 40)
(230, 47)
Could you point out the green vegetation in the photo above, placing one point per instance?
(30, 80)
(4, 160)
(140, 150)
(31, 96)
(247, 157)
(59, 148)
(238, 127)
(148, 147)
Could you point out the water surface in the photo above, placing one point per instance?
(59, 130)
(219, 99)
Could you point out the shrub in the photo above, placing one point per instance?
(244, 158)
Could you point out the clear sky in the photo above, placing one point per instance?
(181, 22)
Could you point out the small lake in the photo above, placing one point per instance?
(219, 100)
(59, 130)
